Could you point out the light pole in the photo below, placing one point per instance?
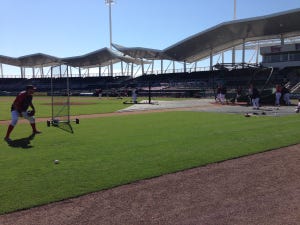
(234, 10)
(234, 18)
(109, 3)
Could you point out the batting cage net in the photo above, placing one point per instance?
(60, 95)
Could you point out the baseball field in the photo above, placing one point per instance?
(110, 151)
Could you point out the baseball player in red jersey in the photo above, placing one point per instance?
(19, 108)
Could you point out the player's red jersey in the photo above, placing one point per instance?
(22, 102)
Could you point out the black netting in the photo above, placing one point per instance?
(60, 98)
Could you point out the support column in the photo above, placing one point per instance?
(111, 69)
(42, 71)
(122, 72)
(71, 72)
(22, 72)
(152, 67)
(60, 71)
(243, 53)
(281, 39)
(211, 60)
(257, 52)
(233, 56)
(1, 70)
(99, 71)
(143, 71)
(222, 57)
(127, 69)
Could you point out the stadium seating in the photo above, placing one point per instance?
(194, 84)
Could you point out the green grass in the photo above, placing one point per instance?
(111, 151)
(80, 105)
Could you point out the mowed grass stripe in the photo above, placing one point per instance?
(111, 151)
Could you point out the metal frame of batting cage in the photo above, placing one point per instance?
(54, 121)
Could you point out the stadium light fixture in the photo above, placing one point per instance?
(234, 18)
(109, 3)
(234, 10)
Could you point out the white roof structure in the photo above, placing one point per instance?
(230, 34)
(101, 57)
(34, 60)
(142, 53)
(194, 48)
(225, 36)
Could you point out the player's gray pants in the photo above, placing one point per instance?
(277, 98)
(286, 98)
(255, 103)
(15, 117)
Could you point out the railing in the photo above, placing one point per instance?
(116, 73)
(295, 87)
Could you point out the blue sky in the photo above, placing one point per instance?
(66, 28)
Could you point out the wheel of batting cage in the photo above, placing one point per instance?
(48, 123)
(77, 121)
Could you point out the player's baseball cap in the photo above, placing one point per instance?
(30, 87)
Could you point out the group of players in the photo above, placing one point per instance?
(20, 108)
(281, 92)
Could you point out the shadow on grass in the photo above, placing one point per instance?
(22, 142)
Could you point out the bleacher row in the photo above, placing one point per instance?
(75, 83)
(202, 80)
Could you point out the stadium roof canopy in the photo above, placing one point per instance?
(142, 53)
(225, 36)
(101, 57)
(194, 48)
(34, 60)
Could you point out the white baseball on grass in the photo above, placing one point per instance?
(56, 161)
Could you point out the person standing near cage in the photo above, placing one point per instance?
(278, 90)
(134, 95)
(297, 109)
(285, 92)
(221, 92)
(19, 109)
(254, 96)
